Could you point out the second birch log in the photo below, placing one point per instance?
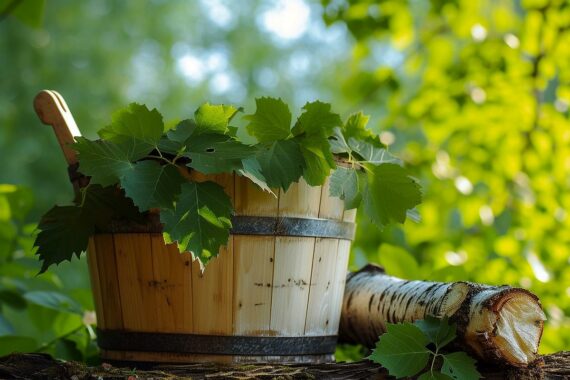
(496, 323)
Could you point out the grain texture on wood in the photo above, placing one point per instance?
(95, 282)
(52, 110)
(172, 274)
(136, 282)
(253, 278)
(108, 280)
(212, 294)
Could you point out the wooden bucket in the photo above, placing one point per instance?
(273, 294)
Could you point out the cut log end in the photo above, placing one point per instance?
(515, 321)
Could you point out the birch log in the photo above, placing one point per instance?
(496, 323)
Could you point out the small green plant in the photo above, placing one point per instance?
(137, 166)
(406, 349)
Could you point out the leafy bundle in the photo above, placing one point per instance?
(150, 164)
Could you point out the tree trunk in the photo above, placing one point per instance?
(494, 323)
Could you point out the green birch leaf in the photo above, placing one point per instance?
(135, 126)
(312, 131)
(174, 142)
(318, 159)
(200, 220)
(271, 120)
(252, 170)
(212, 118)
(317, 119)
(150, 184)
(105, 162)
(355, 127)
(371, 153)
(389, 193)
(460, 366)
(435, 375)
(402, 350)
(338, 142)
(213, 153)
(64, 232)
(281, 163)
(344, 185)
(439, 331)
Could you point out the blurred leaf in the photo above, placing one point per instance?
(54, 300)
(398, 262)
(5, 326)
(12, 298)
(67, 350)
(29, 12)
(14, 343)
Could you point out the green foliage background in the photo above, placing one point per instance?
(473, 95)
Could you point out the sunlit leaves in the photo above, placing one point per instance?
(150, 184)
(200, 220)
(154, 168)
(271, 120)
(213, 118)
(389, 193)
(135, 125)
(213, 153)
(281, 163)
(344, 184)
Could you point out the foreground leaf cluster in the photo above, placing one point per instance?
(154, 168)
(408, 349)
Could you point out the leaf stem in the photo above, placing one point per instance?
(161, 157)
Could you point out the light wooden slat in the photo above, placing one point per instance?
(108, 279)
(212, 295)
(293, 262)
(341, 271)
(321, 301)
(291, 278)
(253, 262)
(251, 200)
(95, 283)
(349, 215)
(300, 200)
(136, 283)
(253, 276)
(330, 207)
(172, 273)
(322, 289)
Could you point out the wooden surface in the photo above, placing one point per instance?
(38, 366)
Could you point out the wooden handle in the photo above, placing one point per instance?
(52, 110)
